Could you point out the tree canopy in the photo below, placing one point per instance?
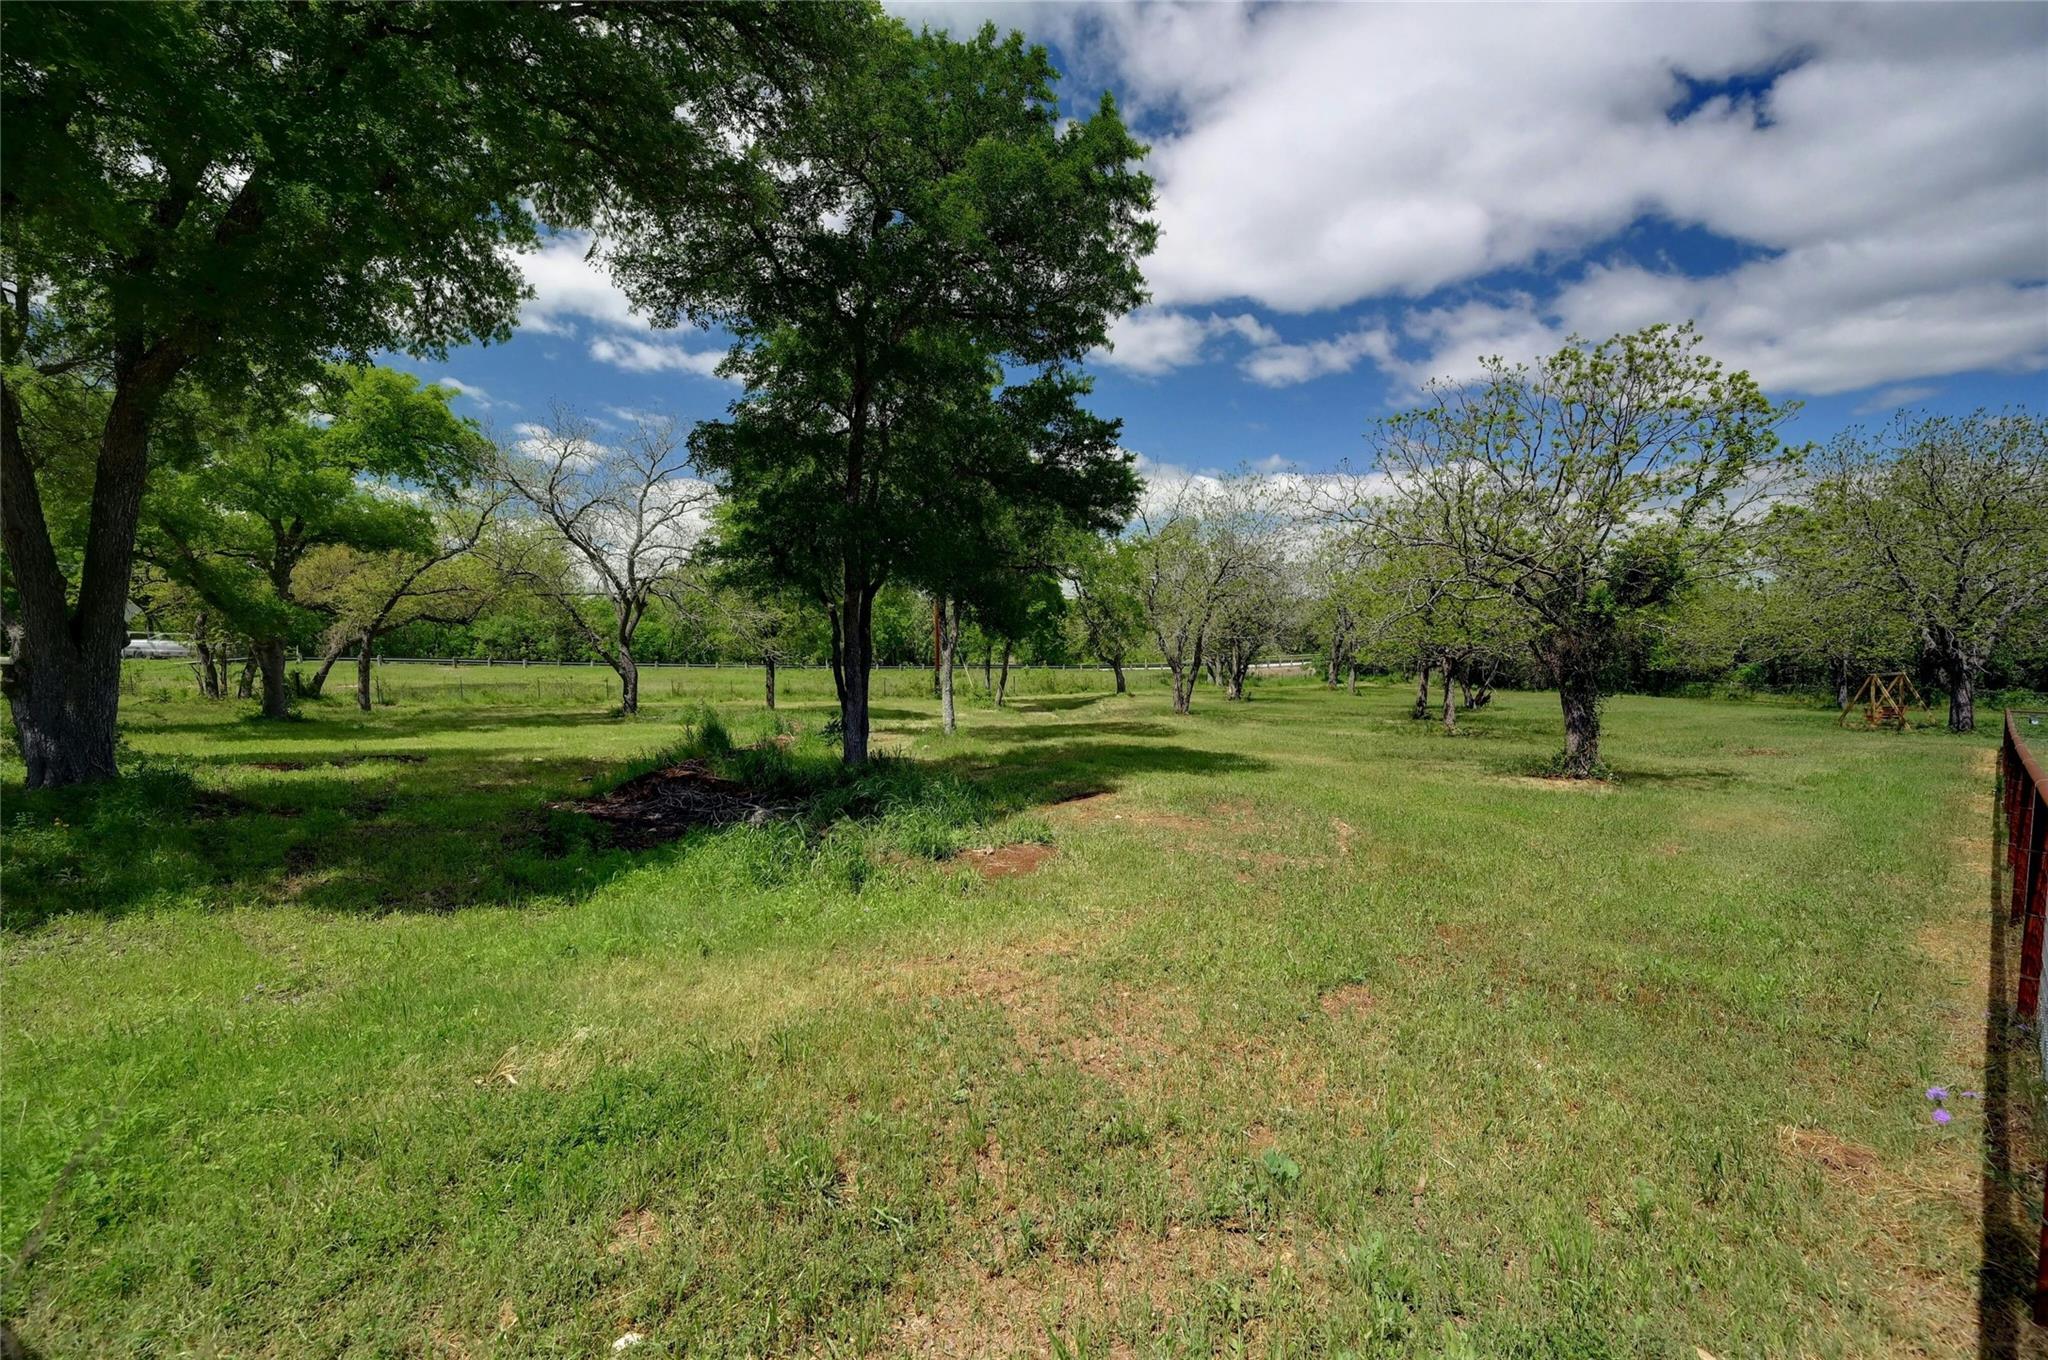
(1587, 488)
(911, 256)
(233, 195)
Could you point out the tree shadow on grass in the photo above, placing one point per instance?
(1039, 733)
(1038, 776)
(346, 831)
(394, 729)
(1057, 703)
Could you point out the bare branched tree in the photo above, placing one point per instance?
(1208, 565)
(631, 514)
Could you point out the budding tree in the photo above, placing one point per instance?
(369, 594)
(1202, 556)
(1586, 489)
(1949, 517)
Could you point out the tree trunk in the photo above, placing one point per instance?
(64, 702)
(63, 680)
(212, 670)
(1465, 686)
(1451, 704)
(364, 658)
(1183, 686)
(269, 658)
(245, 684)
(333, 654)
(1962, 695)
(1118, 667)
(1579, 696)
(629, 681)
(1003, 684)
(948, 643)
(836, 655)
(1422, 690)
(768, 678)
(856, 636)
(1842, 691)
(209, 678)
(988, 662)
(1352, 683)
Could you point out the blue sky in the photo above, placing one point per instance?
(1851, 202)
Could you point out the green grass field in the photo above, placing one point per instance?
(1290, 1028)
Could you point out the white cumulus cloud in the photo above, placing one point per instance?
(1150, 341)
(655, 356)
(1890, 187)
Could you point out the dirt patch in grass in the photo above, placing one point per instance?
(1344, 834)
(661, 805)
(965, 1308)
(281, 766)
(1846, 1160)
(1128, 1042)
(636, 1233)
(1351, 999)
(1266, 862)
(1008, 861)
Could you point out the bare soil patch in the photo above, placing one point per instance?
(637, 1232)
(1008, 861)
(1344, 834)
(1352, 999)
(661, 805)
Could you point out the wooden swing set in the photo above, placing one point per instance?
(1883, 698)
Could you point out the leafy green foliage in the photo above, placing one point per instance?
(1943, 522)
(233, 196)
(914, 253)
(1587, 490)
(342, 467)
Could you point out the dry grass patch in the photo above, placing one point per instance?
(1553, 784)
(1352, 999)
(1109, 806)
(1135, 1284)
(637, 1232)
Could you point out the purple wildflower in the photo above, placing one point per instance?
(1941, 1116)
(1937, 1093)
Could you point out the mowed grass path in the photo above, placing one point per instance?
(1316, 1033)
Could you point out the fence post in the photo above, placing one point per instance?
(2030, 896)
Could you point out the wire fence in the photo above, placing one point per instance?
(2023, 825)
(526, 663)
(1296, 663)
